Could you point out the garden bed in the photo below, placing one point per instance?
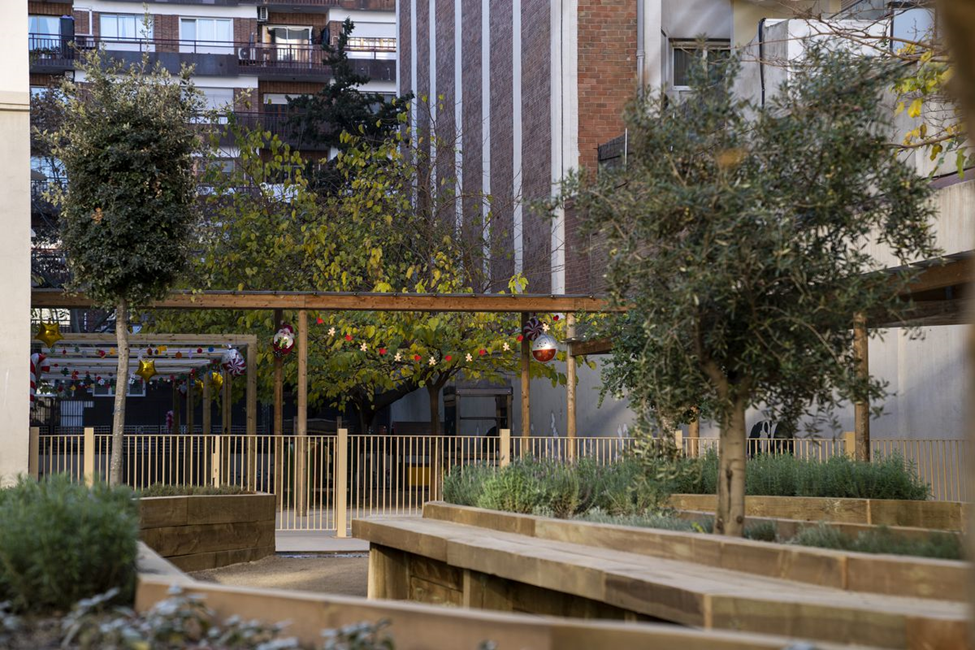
(197, 532)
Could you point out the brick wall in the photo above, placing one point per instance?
(286, 88)
(502, 243)
(245, 30)
(405, 53)
(165, 32)
(45, 80)
(536, 175)
(607, 71)
(46, 9)
(444, 102)
(81, 25)
(472, 130)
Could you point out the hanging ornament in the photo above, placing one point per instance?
(382, 351)
(147, 369)
(433, 361)
(363, 347)
(284, 341)
(101, 354)
(216, 380)
(468, 358)
(36, 368)
(233, 362)
(448, 358)
(398, 357)
(331, 331)
(348, 338)
(198, 385)
(319, 320)
(544, 348)
(482, 352)
(48, 333)
(506, 347)
(179, 355)
(545, 327)
(533, 329)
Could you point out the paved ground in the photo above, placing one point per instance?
(315, 541)
(343, 574)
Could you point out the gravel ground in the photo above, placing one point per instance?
(343, 574)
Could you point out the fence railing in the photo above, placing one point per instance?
(322, 480)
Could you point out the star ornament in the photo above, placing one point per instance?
(147, 369)
(398, 357)
(363, 347)
(331, 331)
(468, 358)
(544, 327)
(48, 333)
(506, 347)
(432, 361)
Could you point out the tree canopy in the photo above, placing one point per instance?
(743, 244)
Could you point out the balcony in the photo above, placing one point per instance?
(287, 126)
(51, 52)
(325, 5)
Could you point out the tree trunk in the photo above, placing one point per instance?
(121, 389)
(433, 390)
(730, 516)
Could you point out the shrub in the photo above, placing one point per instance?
(513, 488)
(945, 546)
(162, 490)
(463, 485)
(61, 542)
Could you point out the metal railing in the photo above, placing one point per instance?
(322, 480)
(57, 49)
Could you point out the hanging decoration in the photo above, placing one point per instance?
(147, 369)
(533, 329)
(36, 368)
(48, 334)
(544, 348)
(233, 362)
(216, 380)
(284, 341)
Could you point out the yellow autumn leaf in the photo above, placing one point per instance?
(915, 109)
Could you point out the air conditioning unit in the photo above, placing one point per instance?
(262, 14)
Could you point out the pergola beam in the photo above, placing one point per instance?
(246, 300)
(138, 340)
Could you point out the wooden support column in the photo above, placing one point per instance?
(526, 356)
(861, 417)
(570, 386)
(342, 483)
(278, 418)
(188, 440)
(251, 405)
(88, 468)
(301, 425)
(694, 435)
(227, 427)
(207, 438)
(34, 453)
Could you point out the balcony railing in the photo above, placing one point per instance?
(294, 59)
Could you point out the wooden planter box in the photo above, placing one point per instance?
(938, 515)
(206, 532)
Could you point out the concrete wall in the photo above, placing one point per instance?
(15, 244)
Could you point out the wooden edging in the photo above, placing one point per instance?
(427, 627)
(197, 532)
(937, 515)
(881, 574)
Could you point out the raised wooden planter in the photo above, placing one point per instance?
(205, 532)
(425, 627)
(488, 559)
(938, 515)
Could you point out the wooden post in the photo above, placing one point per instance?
(278, 417)
(88, 471)
(861, 417)
(570, 386)
(207, 437)
(34, 453)
(694, 435)
(227, 425)
(505, 447)
(849, 443)
(188, 440)
(526, 356)
(251, 403)
(301, 425)
(341, 483)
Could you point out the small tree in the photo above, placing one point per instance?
(741, 247)
(126, 144)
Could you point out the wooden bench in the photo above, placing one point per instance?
(431, 560)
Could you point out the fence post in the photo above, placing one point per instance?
(34, 453)
(88, 470)
(215, 465)
(679, 442)
(849, 443)
(342, 483)
(505, 447)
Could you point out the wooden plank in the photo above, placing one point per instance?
(301, 429)
(217, 559)
(244, 300)
(251, 416)
(228, 508)
(570, 386)
(939, 276)
(139, 340)
(595, 346)
(208, 538)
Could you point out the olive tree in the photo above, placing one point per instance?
(738, 235)
(127, 145)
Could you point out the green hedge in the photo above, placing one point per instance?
(162, 490)
(61, 542)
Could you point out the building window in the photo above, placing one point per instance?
(688, 53)
(206, 30)
(44, 25)
(124, 27)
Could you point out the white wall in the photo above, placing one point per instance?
(688, 19)
(15, 244)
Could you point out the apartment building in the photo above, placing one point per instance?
(537, 88)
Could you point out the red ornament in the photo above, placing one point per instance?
(520, 338)
(199, 350)
(482, 352)
(101, 353)
(447, 358)
(416, 357)
(320, 320)
(348, 337)
(179, 355)
(382, 351)
(556, 317)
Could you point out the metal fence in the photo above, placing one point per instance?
(321, 481)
